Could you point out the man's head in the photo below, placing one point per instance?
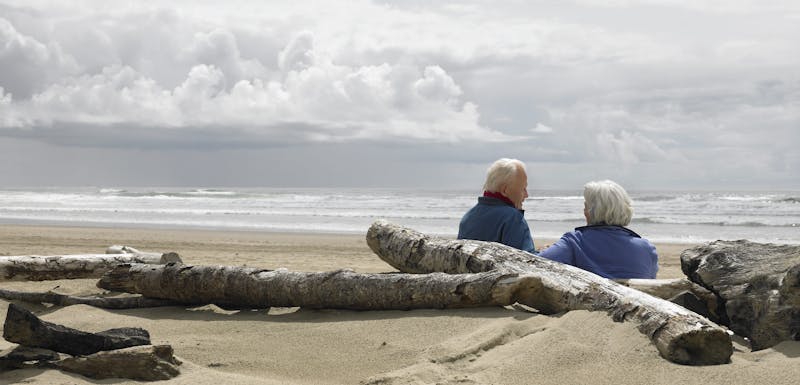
(508, 177)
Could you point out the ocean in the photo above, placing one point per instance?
(681, 217)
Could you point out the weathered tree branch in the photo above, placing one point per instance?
(114, 353)
(20, 357)
(41, 268)
(681, 291)
(680, 335)
(23, 327)
(242, 287)
(132, 302)
(144, 363)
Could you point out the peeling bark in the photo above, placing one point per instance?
(42, 268)
(680, 335)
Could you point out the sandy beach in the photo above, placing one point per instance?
(300, 346)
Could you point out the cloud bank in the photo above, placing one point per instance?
(159, 70)
(625, 87)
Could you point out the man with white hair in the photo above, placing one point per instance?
(498, 216)
(605, 246)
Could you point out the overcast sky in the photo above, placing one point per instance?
(655, 94)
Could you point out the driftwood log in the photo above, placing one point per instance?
(24, 328)
(42, 268)
(242, 287)
(680, 335)
(129, 302)
(144, 363)
(115, 353)
(122, 249)
(20, 357)
(758, 286)
(681, 291)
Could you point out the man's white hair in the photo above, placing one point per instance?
(501, 172)
(607, 203)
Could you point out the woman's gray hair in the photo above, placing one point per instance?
(607, 203)
(501, 172)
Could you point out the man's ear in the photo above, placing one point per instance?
(504, 189)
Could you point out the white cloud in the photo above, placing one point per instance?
(542, 129)
(628, 148)
(713, 6)
(7, 119)
(28, 63)
(437, 85)
(318, 75)
(333, 103)
(117, 95)
(224, 89)
(298, 54)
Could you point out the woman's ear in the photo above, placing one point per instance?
(587, 214)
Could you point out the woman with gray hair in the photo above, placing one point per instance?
(605, 246)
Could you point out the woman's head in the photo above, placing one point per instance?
(606, 202)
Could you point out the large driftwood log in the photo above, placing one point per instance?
(42, 268)
(758, 284)
(132, 302)
(23, 327)
(243, 287)
(144, 363)
(680, 335)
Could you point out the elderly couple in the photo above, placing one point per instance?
(604, 246)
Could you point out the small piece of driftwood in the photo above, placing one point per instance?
(42, 268)
(131, 302)
(143, 363)
(21, 356)
(25, 328)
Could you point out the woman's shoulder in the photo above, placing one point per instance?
(603, 228)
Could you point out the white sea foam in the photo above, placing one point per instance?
(661, 216)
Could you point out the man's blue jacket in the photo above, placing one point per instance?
(496, 221)
(608, 251)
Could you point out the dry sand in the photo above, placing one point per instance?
(298, 346)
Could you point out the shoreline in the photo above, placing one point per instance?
(546, 236)
(238, 246)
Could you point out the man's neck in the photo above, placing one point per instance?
(500, 196)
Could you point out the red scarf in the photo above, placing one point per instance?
(500, 196)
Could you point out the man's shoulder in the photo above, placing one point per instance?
(495, 204)
(491, 201)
